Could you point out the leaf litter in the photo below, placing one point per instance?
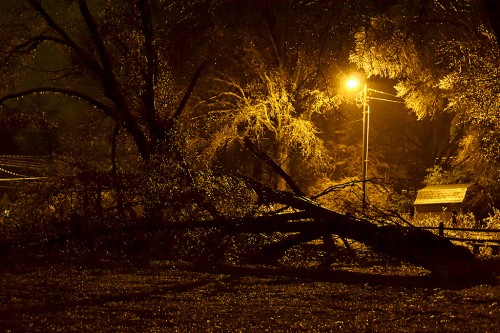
(164, 296)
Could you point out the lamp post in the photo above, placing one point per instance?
(366, 132)
(362, 99)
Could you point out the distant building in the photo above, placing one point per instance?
(441, 201)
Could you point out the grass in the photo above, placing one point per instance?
(42, 294)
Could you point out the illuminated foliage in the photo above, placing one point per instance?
(275, 78)
(268, 112)
(474, 95)
(445, 58)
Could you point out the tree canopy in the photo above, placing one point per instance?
(445, 57)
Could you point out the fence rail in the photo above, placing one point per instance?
(476, 243)
(460, 229)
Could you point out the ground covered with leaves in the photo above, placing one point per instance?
(41, 294)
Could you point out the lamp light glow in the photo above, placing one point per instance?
(352, 83)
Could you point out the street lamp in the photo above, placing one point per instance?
(353, 83)
(362, 99)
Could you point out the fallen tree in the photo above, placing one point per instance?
(306, 220)
(303, 220)
(313, 221)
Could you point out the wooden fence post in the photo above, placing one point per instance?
(441, 229)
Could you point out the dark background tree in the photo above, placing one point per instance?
(106, 66)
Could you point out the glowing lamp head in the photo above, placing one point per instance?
(352, 83)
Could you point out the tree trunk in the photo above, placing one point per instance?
(414, 245)
(283, 162)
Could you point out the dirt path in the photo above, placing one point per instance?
(110, 296)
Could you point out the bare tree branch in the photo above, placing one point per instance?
(171, 122)
(32, 43)
(275, 166)
(93, 65)
(148, 96)
(96, 37)
(67, 92)
(111, 86)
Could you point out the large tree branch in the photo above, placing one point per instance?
(96, 37)
(67, 92)
(132, 127)
(493, 12)
(148, 96)
(32, 43)
(171, 122)
(259, 153)
(68, 41)
(111, 86)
